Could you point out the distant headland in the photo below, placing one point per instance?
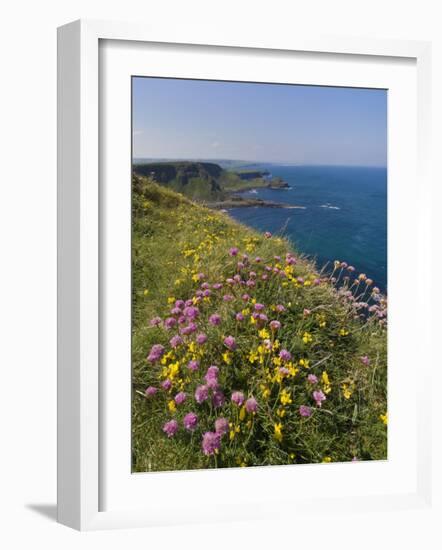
(211, 184)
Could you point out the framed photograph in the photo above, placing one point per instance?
(234, 223)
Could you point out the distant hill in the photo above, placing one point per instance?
(204, 181)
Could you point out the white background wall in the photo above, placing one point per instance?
(28, 263)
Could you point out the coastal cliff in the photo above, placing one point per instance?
(206, 181)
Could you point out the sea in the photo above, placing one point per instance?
(344, 215)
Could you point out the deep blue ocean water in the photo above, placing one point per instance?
(345, 215)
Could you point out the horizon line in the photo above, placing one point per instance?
(245, 161)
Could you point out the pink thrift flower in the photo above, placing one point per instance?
(191, 312)
(193, 365)
(211, 443)
(170, 322)
(201, 394)
(156, 353)
(312, 378)
(170, 428)
(230, 343)
(221, 425)
(365, 360)
(215, 319)
(285, 355)
(156, 321)
(237, 398)
(275, 325)
(180, 398)
(167, 384)
(251, 405)
(305, 411)
(218, 398)
(190, 421)
(233, 251)
(176, 341)
(201, 339)
(150, 391)
(319, 397)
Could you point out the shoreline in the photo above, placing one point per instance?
(251, 203)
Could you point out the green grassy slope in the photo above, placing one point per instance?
(180, 250)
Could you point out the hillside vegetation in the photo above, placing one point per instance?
(204, 181)
(242, 353)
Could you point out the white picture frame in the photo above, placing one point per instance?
(80, 397)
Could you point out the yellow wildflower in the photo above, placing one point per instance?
(384, 418)
(171, 406)
(285, 397)
(174, 370)
(264, 333)
(322, 320)
(278, 431)
(145, 292)
(326, 459)
(343, 332)
(307, 338)
(233, 430)
(265, 391)
(326, 382)
(170, 300)
(304, 363)
(227, 357)
(293, 370)
(192, 347)
(346, 392)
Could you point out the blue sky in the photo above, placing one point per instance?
(198, 119)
